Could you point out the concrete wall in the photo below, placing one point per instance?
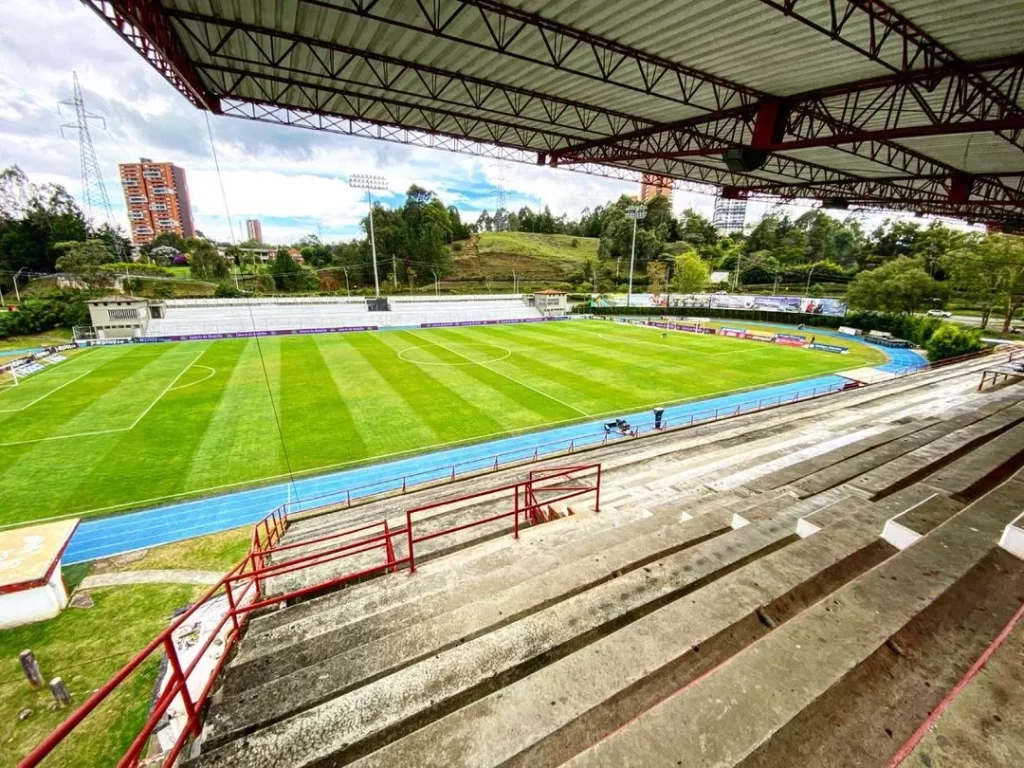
(37, 604)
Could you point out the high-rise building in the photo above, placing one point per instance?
(652, 185)
(254, 230)
(729, 215)
(156, 196)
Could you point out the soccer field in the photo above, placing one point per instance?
(118, 427)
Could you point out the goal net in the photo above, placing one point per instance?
(8, 379)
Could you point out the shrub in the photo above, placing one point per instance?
(225, 290)
(951, 341)
(181, 260)
(457, 247)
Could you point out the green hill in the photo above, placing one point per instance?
(496, 255)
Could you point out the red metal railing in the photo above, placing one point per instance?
(243, 590)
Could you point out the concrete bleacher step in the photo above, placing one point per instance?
(532, 582)
(878, 456)
(977, 472)
(770, 683)
(800, 470)
(535, 722)
(891, 691)
(983, 726)
(919, 463)
(919, 520)
(384, 708)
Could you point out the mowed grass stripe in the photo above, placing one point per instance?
(534, 406)
(576, 382)
(316, 419)
(109, 398)
(610, 354)
(639, 380)
(696, 376)
(450, 416)
(239, 441)
(459, 373)
(382, 415)
(155, 456)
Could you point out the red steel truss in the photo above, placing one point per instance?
(259, 68)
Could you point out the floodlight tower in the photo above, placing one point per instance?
(370, 182)
(635, 212)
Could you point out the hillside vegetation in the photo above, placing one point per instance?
(496, 255)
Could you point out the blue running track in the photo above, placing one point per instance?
(107, 536)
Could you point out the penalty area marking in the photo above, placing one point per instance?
(469, 360)
(129, 428)
(43, 397)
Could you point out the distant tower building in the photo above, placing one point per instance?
(254, 230)
(156, 196)
(729, 215)
(652, 185)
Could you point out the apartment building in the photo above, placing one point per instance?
(157, 200)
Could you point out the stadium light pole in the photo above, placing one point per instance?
(369, 182)
(635, 212)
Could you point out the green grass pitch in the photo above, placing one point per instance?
(118, 427)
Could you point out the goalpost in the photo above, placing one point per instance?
(8, 379)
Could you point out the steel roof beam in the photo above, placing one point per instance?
(142, 24)
(252, 109)
(218, 45)
(334, 59)
(920, 65)
(516, 33)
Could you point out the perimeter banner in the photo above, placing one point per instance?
(249, 334)
(736, 333)
(492, 322)
(750, 301)
(828, 348)
(790, 340)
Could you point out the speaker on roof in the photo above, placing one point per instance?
(835, 203)
(745, 159)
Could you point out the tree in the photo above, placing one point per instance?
(290, 276)
(951, 340)
(206, 263)
(989, 272)
(696, 230)
(315, 253)
(115, 240)
(656, 272)
(84, 258)
(898, 287)
(691, 273)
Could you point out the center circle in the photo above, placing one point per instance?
(467, 352)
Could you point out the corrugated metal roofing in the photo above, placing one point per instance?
(577, 72)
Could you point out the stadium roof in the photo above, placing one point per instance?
(911, 104)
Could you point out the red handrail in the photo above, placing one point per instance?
(242, 587)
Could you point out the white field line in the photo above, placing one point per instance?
(43, 397)
(109, 431)
(512, 379)
(212, 373)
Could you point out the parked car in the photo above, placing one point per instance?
(938, 313)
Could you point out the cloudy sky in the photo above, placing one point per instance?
(295, 181)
